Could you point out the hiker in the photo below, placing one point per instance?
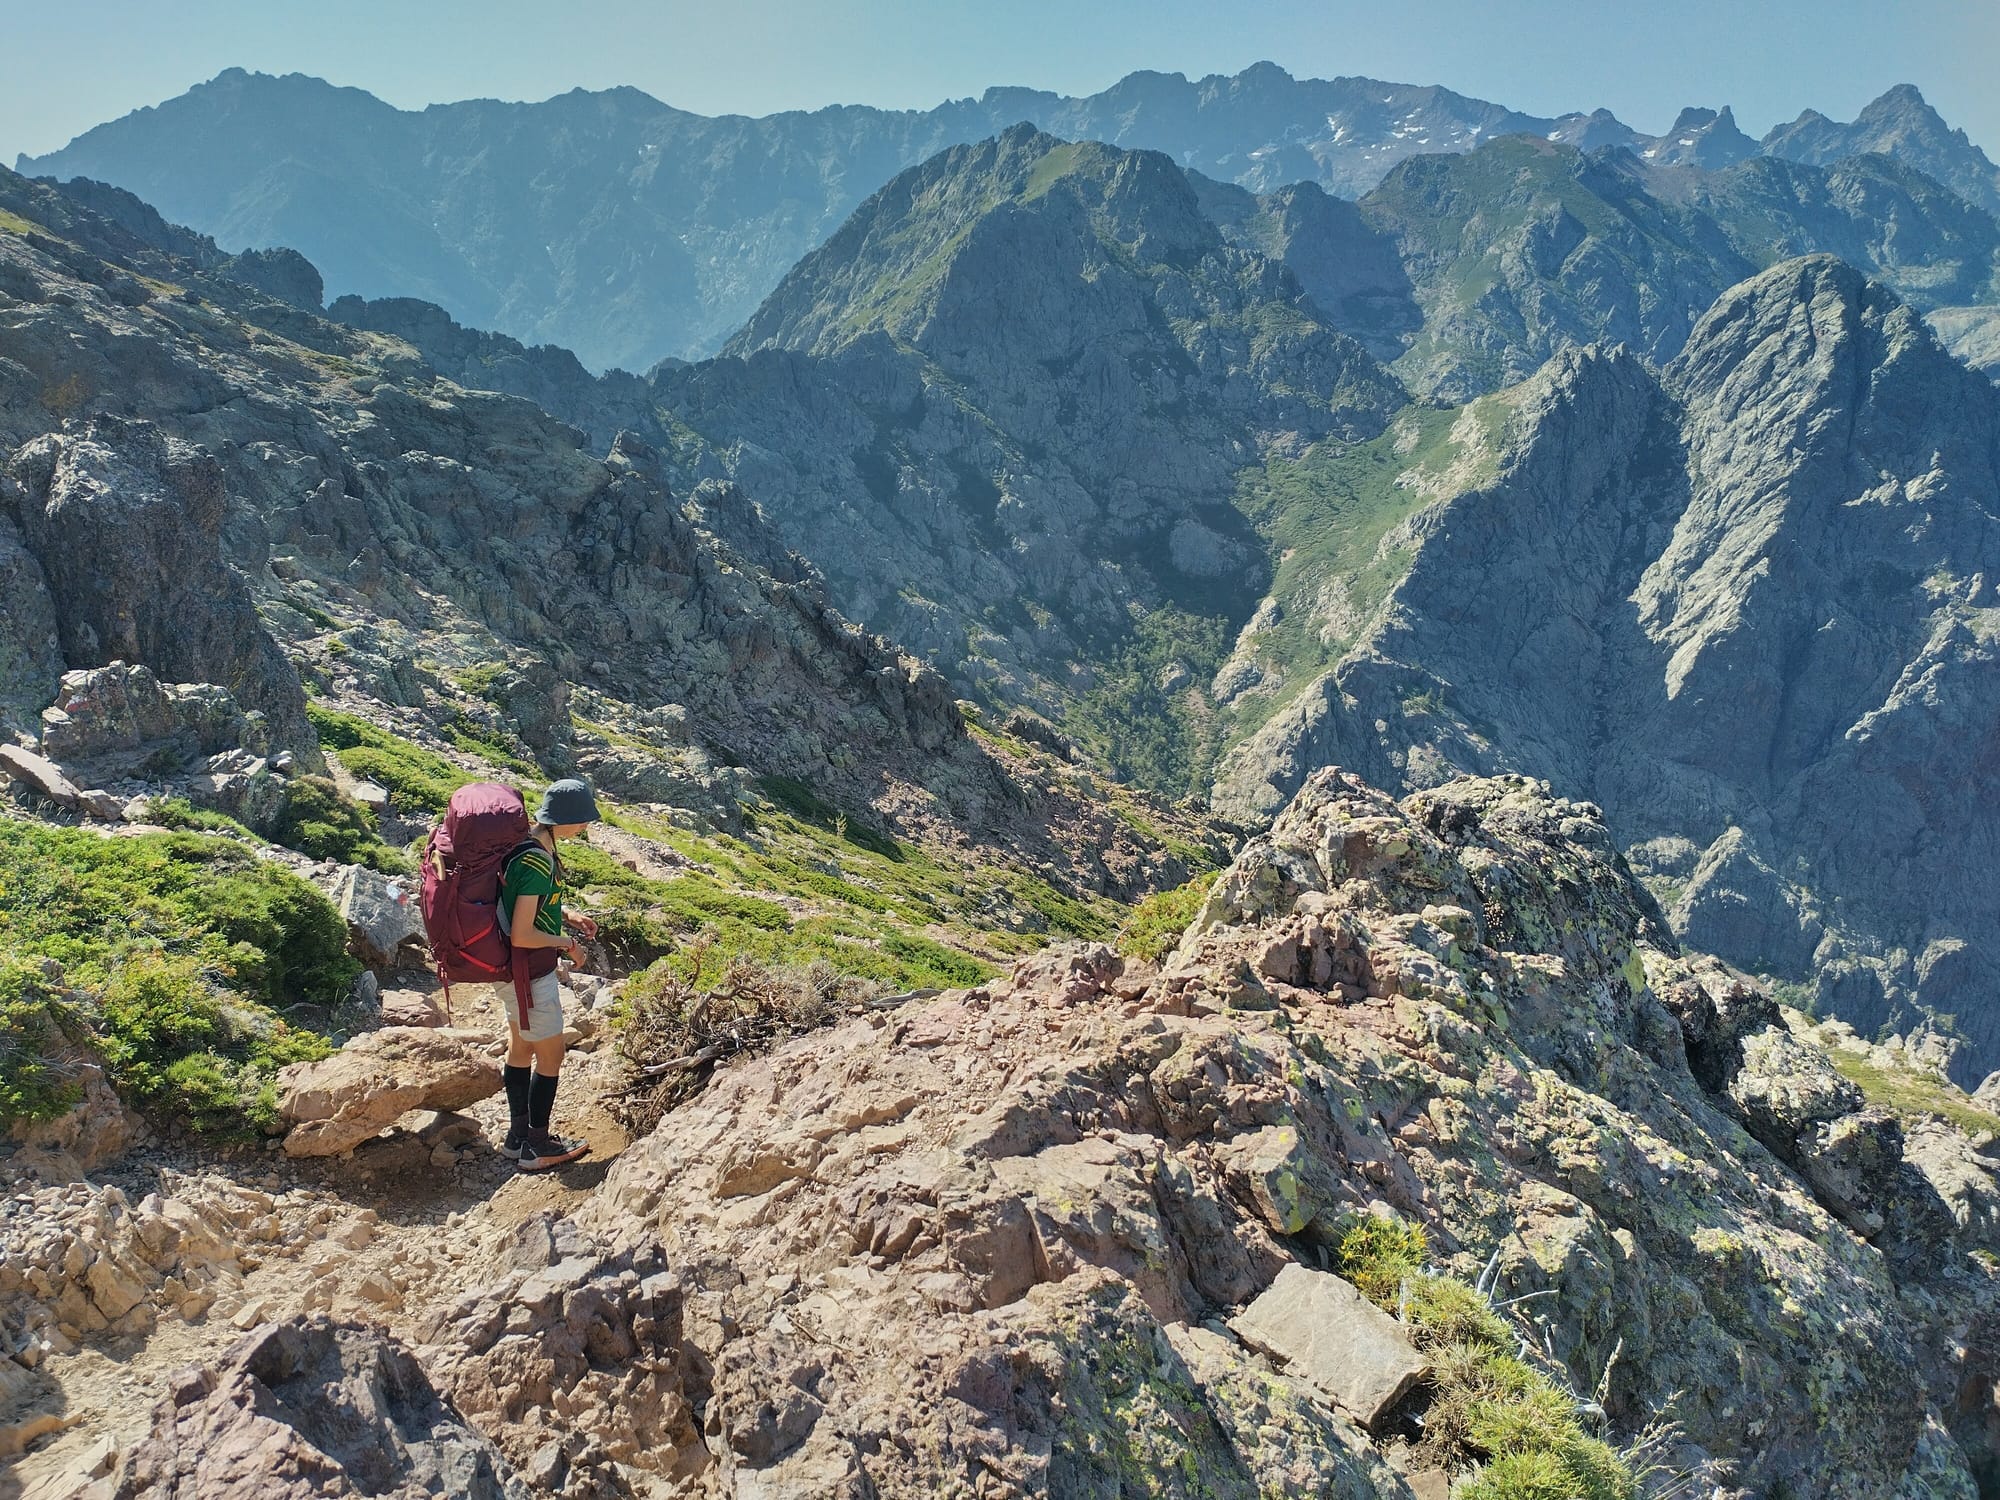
(532, 889)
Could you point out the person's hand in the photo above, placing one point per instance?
(584, 925)
(576, 952)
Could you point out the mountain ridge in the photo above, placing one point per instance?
(635, 191)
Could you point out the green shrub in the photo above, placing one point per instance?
(491, 747)
(205, 1091)
(1907, 1092)
(1378, 1254)
(324, 822)
(936, 966)
(419, 782)
(1521, 1417)
(180, 814)
(157, 1010)
(1156, 924)
(180, 994)
(35, 1025)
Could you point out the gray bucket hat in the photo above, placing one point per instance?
(568, 802)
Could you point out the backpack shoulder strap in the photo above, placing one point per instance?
(532, 846)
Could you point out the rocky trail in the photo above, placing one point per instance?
(380, 1236)
(1093, 1228)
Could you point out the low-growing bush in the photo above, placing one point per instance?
(419, 782)
(183, 816)
(1378, 1254)
(674, 1030)
(182, 994)
(36, 1029)
(324, 822)
(1154, 929)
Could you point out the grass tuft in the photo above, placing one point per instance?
(1490, 1412)
(1156, 924)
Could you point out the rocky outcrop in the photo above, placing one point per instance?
(383, 919)
(150, 585)
(894, 1234)
(89, 1134)
(1320, 1329)
(119, 719)
(313, 1408)
(31, 661)
(39, 774)
(335, 1104)
(572, 1359)
(82, 1260)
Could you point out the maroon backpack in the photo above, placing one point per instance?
(484, 826)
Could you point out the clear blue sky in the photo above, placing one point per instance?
(67, 66)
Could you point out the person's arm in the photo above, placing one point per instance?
(525, 934)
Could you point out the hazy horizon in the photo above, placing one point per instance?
(1542, 57)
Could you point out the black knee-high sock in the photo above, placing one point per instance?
(517, 1081)
(542, 1099)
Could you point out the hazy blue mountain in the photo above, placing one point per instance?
(1465, 272)
(1899, 124)
(626, 230)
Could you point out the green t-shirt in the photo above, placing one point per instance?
(535, 872)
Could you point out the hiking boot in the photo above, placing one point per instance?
(514, 1147)
(542, 1149)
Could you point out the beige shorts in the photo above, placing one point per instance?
(545, 1013)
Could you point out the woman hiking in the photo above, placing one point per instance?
(532, 889)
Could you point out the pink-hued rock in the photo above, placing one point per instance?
(44, 775)
(335, 1104)
(1323, 1330)
(310, 1408)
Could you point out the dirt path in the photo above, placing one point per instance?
(386, 1235)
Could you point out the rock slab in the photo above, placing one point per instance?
(381, 917)
(1327, 1332)
(40, 773)
(335, 1104)
(310, 1407)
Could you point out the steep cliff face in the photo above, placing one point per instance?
(1005, 408)
(1761, 643)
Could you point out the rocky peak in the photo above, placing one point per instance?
(1595, 131)
(1702, 138)
(939, 234)
(1900, 123)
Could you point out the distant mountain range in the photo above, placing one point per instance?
(626, 230)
